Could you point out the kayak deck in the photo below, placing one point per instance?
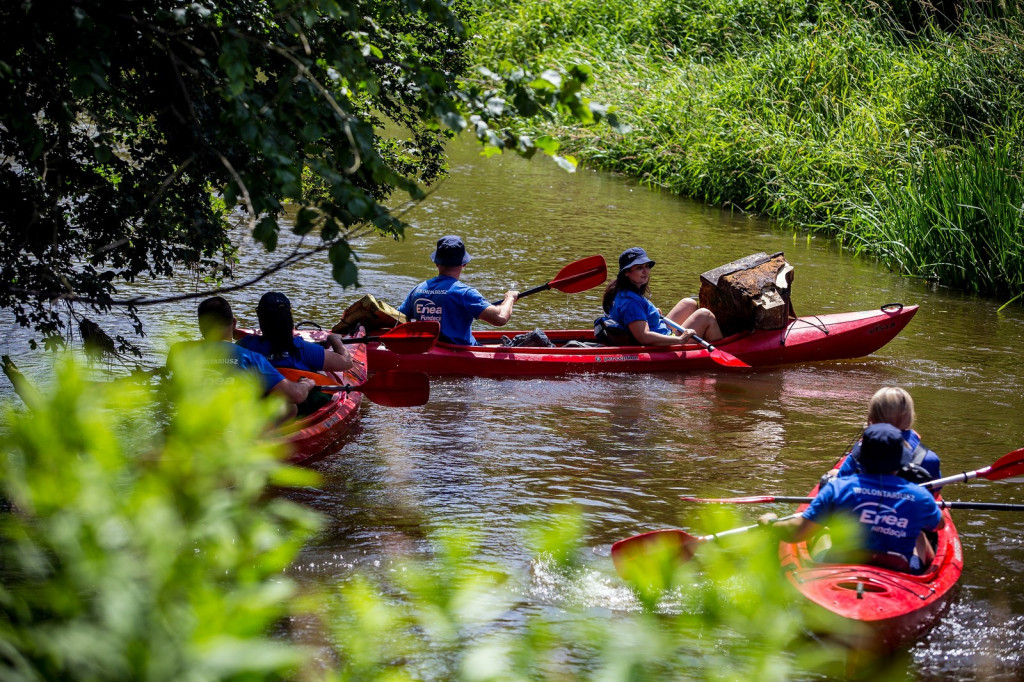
(811, 338)
(897, 607)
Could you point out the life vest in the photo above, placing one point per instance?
(913, 470)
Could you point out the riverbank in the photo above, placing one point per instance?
(895, 130)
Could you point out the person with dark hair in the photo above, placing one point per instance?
(217, 325)
(278, 343)
(626, 301)
(446, 300)
(891, 511)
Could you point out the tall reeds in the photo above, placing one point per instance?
(827, 116)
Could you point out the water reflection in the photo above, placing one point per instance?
(498, 454)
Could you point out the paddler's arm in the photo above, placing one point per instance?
(645, 337)
(340, 359)
(293, 391)
(789, 530)
(499, 315)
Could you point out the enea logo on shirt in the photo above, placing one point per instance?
(427, 310)
(882, 519)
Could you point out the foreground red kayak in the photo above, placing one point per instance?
(313, 434)
(895, 607)
(811, 338)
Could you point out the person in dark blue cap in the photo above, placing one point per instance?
(279, 344)
(892, 512)
(446, 300)
(626, 301)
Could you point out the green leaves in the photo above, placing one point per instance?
(343, 267)
(143, 538)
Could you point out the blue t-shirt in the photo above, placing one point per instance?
(448, 301)
(629, 307)
(310, 356)
(892, 511)
(930, 463)
(234, 358)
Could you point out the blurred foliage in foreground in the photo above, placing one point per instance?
(138, 541)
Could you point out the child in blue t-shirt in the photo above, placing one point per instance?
(454, 305)
(891, 511)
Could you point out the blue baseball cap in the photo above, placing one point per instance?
(450, 251)
(273, 300)
(633, 256)
(881, 449)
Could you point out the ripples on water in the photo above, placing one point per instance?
(498, 454)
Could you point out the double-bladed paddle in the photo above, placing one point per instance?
(393, 388)
(408, 338)
(717, 354)
(681, 545)
(767, 499)
(670, 542)
(575, 277)
(1009, 465)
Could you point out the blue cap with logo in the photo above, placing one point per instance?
(450, 251)
(633, 256)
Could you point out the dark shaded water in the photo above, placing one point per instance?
(498, 453)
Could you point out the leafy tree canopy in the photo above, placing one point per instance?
(131, 131)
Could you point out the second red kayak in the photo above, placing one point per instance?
(811, 338)
(885, 609)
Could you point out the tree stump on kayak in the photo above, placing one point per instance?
(750, 293)
(369, 313)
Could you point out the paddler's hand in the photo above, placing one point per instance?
(768, 519)
(513, 295)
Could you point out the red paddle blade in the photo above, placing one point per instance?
(727, 359)
(1009, 465)
(584, 274)
(641, 557)
(412, 337)
(396, 388)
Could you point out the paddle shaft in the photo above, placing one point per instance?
(717, 354)
(741, 529)
(682, 330)
(769, 499)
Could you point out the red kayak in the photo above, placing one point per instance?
(811, 338)
(311, 435)
(896, 607)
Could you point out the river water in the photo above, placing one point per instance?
(499, 453)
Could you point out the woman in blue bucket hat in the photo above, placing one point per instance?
(626, 301)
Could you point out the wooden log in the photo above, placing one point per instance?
(749, 293)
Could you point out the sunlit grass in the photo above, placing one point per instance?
(835, 117)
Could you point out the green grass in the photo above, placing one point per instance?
(838, 117)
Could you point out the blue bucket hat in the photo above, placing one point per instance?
(881, 449)
(633, 256)
(450, 251)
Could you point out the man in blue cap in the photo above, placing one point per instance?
(891, 511)
(454, 305)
